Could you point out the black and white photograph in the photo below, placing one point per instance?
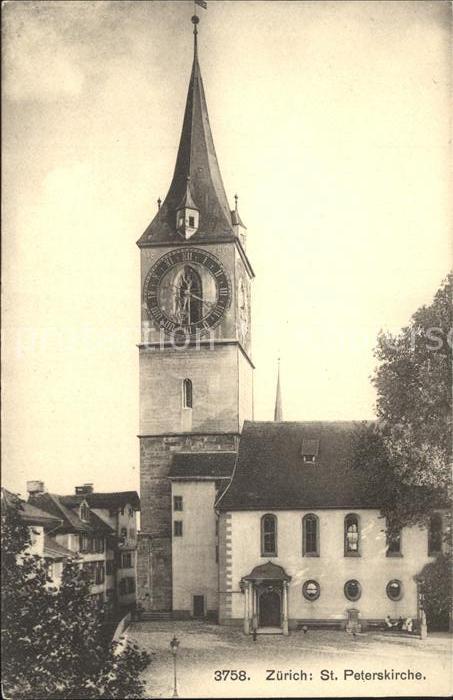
(227, 332)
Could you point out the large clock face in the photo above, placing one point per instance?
(187, 290)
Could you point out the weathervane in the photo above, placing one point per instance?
(195, 19)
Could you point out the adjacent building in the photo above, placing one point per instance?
(40, 525)
(101, 530)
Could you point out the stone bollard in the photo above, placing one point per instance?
(423, 627)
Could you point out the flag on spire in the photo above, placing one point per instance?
(278, 412)
(202, 4)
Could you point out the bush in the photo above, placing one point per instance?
(435, 585)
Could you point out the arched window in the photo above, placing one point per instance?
(351, 536)
(188, 296)
(310, 536)
(435, 534)
(268, 536)
(187, 394)
(84, 512)
(393, 537)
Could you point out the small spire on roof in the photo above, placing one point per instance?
(159, 202)
(236, 202)
(278, 411)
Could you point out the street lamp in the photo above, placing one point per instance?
(174, 644)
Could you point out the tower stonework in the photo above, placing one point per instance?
(196, 373)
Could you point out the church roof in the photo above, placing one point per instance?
(202, 465)
(273, 472)
(196, 160)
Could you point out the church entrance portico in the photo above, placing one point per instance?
(266, 600)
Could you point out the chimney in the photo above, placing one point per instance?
(35, 487)
(86, 488)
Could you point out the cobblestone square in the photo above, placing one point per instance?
(315, 663)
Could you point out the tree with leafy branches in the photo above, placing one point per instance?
(53, 644)
(407, 454)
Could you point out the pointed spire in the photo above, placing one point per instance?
(196, 159)
(235, 216)
(187, 200)
(278, 412)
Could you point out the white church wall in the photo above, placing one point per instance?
(373, 569)
(194, 553)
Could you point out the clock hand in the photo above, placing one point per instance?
(203, 301)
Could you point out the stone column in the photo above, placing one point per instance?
(246, 609)
(285, 607)
(254, 596)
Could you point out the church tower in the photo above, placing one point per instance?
(195, 366)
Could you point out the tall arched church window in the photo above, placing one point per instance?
(187, 394)
(435, 534)
(188, 297)
(269, 536)
(351, 535)
(310, 536)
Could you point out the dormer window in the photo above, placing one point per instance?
(187, 221)
(187, 214)
(309, 450)
(84, 512)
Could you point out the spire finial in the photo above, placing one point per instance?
(236, 202)
(278, 412)
(195, 20)
(159, 202)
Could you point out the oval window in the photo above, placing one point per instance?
(352, 590)
(395, 589)
(311, 590)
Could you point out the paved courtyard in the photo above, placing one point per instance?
(319, 663)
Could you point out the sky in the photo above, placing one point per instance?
(330, 121)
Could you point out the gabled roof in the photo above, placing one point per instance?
(196, 160)
(30, 514)
(112, 500)
(68, 514)
(202, 465)
(271, 474)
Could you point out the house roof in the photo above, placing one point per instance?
(30, 514)
(54, 550)
(197, 160)
(112, 500)
(67, 511)
(271, 473)
(202, 465)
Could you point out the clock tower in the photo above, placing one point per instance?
(196, 372)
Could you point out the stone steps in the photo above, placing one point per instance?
(154, 615)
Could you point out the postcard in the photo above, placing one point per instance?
(227, 347)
